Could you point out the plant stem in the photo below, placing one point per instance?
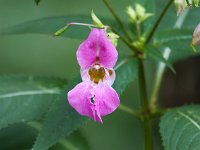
(158, 21)
(138, 30)
(161, 67)
(148, 135)
(144, 104)
(123, 39)
(129, 110)
(144, 99)
(117, 19)
(142, 84)
(158, 77)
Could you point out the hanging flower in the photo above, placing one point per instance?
(94, 97)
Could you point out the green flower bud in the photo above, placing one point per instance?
(140, 10)
(196, 3)
(132, 14)
(113, 38)
(60, 31)
(138, 15)
(96, 20)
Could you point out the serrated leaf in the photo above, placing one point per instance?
(75, 141)
(62, 119)
(180, 128)
(25, 98)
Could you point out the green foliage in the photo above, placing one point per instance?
(157, 56)
(76, 141)
(25, 98)
(18, 136)
(178, 40)
(126, 71)
(62, 119)
(49, 25)
(180, 128)
(165, 37)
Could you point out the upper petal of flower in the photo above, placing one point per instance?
(97, 48)
(79, 99)
(106, 100)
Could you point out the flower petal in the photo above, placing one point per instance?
(79, 99)
(97, 47)
(106, 100)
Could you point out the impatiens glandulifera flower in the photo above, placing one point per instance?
(94, 97)
(196, 36)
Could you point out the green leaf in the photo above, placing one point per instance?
(49, 25)
(37, 2)
(76, 141)
(126, 72)
(178, 40)
(25, 98)
(156, 55)
(180, 128)
(173, 35)
(18, 136)
(63, 120)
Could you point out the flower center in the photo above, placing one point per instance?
(96, 73)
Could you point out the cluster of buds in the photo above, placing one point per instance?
(182, 4)
(137, 15)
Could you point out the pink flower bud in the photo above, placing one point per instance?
(196, 36)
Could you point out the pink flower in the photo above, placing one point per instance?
(94, 97)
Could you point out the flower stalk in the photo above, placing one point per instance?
(158, 21)
(117, 19)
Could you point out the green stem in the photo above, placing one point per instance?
(161, 67)
(158, 78)
(188, 3)
(123, 39)
(142, 84)
(138, 30)
(117, 19)
(144, 99)
(144, 104)
(158, 21)
(148, 135)
(129, 110)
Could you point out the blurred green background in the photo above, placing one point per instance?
(49, 56)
